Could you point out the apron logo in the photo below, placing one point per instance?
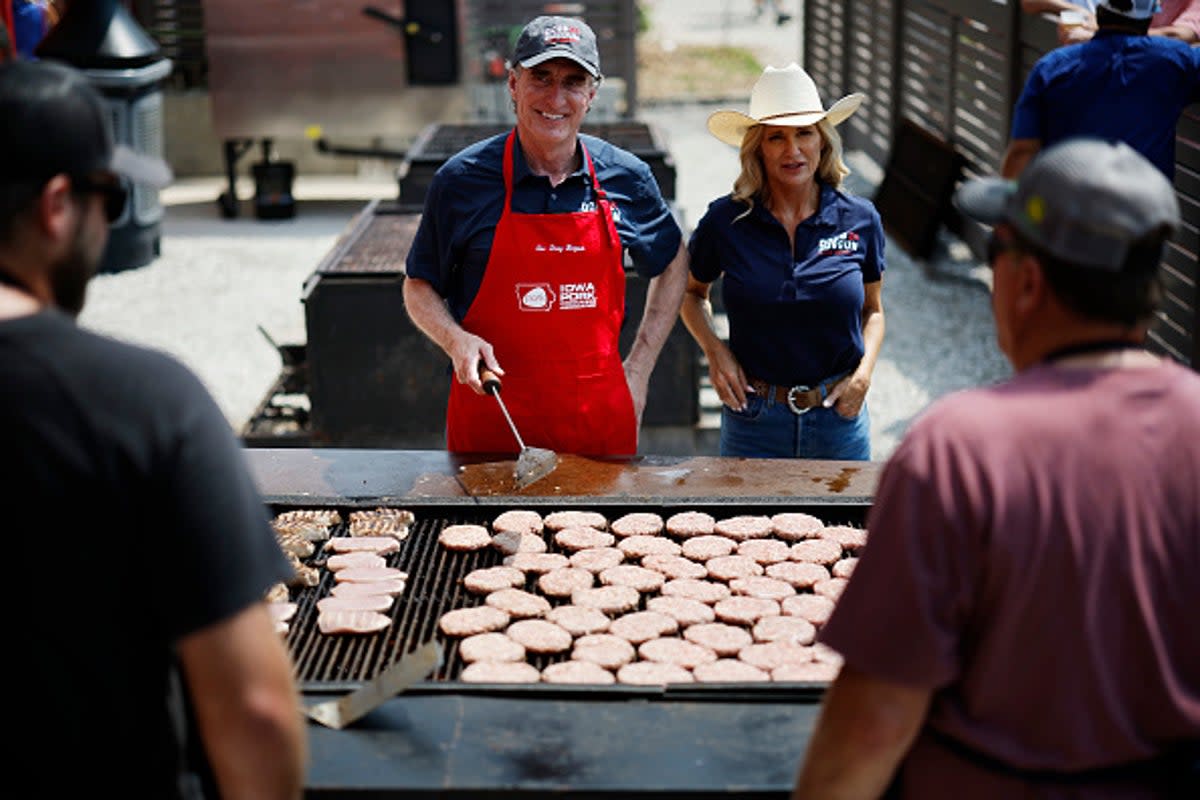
(535, 297)
(576, 295)
(839, 245)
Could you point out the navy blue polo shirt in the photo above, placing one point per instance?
(466, 196)
(795, 316)
(1116, 86)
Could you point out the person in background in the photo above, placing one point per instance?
(1021, 622)
(802, 268)
(1122, 84)
(1176, 19)
(518, 264)
(150, 664)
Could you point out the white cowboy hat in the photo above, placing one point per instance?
(785, 96)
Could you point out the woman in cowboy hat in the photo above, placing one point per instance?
(802, 263)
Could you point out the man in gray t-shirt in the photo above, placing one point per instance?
(1023, 619)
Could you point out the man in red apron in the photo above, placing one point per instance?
(519, 265)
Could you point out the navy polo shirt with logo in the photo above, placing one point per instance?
(795, 315)
(466, 197)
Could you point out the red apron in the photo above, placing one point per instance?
(551, 304)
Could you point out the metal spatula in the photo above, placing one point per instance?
(534, 463)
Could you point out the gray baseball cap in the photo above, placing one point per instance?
(545, 38)
(1084, 201)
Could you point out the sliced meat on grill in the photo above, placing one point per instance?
(511, 542)
(817, 551)
(369, 574)
(536, 563)
(722, 639)
(687, 524)
(518, 603)
(328, 517)
(652, 673)
(702, 548)
(831, 588)
(490, 647)
(844, 568)
(726, 568)
(501, 672)
(579, 621)
(729, 670)
(380, 545)
(295, 544)
(399, 516)
(780, 628)
(812, 672)
(352, 622)
(356, 602)
(639, 523)
(583, 672)
(597, 559)
(852, 540)
(464, 538)
(470, 621)
(674, 566)
(277, 593)
(638, 546)
(793, 527)
(684, 610)
(351, 588)
(518, 521)
(282, 612)
(357, 559)
(581, 538)
(770, 655)
(539, 636)
(764, 551)
(640, 578)
(563, 582)
(558, 520)
(762, 586)
(743, 610)
(673, 650)
(742, 528)
(812, 607)
(800, 574)
(704, 591)
(302, 575)
(642, 626)
(492, 579)
(609, 599)
(603, 649)
(380, 526)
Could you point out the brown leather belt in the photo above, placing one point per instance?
(798, 398)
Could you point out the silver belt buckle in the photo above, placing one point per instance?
(791, 399)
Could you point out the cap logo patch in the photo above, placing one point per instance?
(561, 34)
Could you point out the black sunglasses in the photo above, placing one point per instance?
(110, 188)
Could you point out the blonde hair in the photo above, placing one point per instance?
(751, 183)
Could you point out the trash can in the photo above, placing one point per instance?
(127, 67)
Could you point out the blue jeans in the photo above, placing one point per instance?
(767, 429)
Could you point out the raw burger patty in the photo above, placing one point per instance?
(640, 578)
(764, 551)
(651, 673)
(831, 588)
(726, 568)
(604, 650)
(536, 562)
(518, 603)
(609, 599)
(597, 559)
(852, 540)
(563, 582)
(673, 650)
(490, 647)
(509, 542)
(352, 621)
(704, 591)
(687, 524)
(501, 672)
(769, 655)
(642, 626)
(518, 521)
(684, 610)
(558, 520)
(638, 546)
(800, 574)
(579, 538)
(722, 639)
(579, 621)
(358, 559)
(362, 602)
(817, 551)
(796, 630)
(815, 671)
(539, 636)
(812, 607)
(761, 586)
(638, 524)
(743, 610)
(702, 548)
(674, 566)
(793, 527)
(577, 672)
(493, 579)
(742, 528)
(470, 621)
(845, 567)
(729, 670)
(464, 537)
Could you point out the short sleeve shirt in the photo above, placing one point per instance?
(466, 197)
(1115, 86)
(795, 315)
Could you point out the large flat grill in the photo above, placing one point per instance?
(338, 662)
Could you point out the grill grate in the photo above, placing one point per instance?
(434, 587)
(379, 246)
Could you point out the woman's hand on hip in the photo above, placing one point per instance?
(847, 395)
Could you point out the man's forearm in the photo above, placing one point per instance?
(663, 298)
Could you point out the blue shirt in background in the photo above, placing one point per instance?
(466, 197)
(795, 316)
(1116, 86)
